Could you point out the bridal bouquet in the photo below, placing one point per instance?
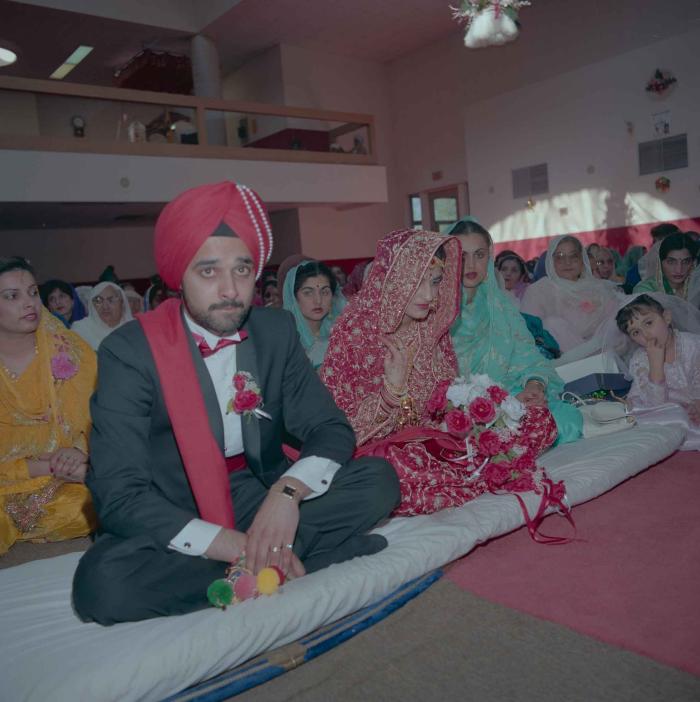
(499, 440)
(476, 407)
(488, 419)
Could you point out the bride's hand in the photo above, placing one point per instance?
(533, 394)
(395, 363)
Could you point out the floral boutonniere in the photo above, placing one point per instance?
(247, 398)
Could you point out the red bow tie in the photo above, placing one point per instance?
(205, 349)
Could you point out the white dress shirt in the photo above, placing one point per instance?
(317, 473)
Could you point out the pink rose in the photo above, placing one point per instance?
(524, 462)
(62, 368)
(245, 401)
(458, 424)
(496, 394)
(497, 474)
(239, 382)
(438, 400)
(482, 411)
(489, 443)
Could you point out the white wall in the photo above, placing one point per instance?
(325, 81)
(257, 80)
(576, 122)
(428, 115)
(18, 113)
(79, 255)
(40, 176)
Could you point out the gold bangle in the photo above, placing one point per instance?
(393, 390)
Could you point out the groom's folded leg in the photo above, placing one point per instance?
(332, 527)
(123, 580)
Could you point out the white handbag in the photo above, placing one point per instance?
(601, 417)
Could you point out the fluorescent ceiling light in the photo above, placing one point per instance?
(7, 57)
(62, 71)
(79, 54)
(71, 62)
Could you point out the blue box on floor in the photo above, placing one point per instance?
(599, 385)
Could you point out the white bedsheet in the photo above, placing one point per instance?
(46, 653)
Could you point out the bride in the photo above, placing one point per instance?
(390, 354)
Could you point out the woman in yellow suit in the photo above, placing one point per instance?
(47, 374)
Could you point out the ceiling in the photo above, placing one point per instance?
(69, 215)
(44, 37)
(374, 30)
(97, 215)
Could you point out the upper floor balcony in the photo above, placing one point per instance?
(63, 142)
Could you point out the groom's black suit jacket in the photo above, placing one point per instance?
(138, 480)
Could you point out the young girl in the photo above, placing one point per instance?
(665, 365)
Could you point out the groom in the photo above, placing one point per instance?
(191, 407)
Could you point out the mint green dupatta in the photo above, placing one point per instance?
(490, 336)
(314, 346)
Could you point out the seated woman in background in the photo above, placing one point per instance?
(388, 355)
(675, 270)
(61, 299)
(47, 374)
(135, 301)
(514, 280)
(270, 293)
(663, 362)
(604, 265)
(313, 296)
(570, 302)
(514, 275)
(108, 310)
(491, 337)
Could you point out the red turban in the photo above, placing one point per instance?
(186, 223)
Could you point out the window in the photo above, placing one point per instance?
(416, 211)
(531, 180)
(663, 154)
(443, 209)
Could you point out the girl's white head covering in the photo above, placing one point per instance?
(92, 328)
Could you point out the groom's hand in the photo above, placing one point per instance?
(228, 546)
(272, 533)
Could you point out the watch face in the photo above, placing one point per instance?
(289, 491)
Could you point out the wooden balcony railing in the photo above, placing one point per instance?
(36, 115)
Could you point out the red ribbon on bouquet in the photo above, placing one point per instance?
(549, 499)
(447, 442)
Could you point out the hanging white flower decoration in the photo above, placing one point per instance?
(489, 22)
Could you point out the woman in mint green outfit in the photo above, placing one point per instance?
(490, 336)
(312, 294)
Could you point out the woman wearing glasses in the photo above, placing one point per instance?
(570, 301)
(108, 309)
(675, 271)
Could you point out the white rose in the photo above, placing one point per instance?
(481, 380)
(458, 392)
(513, 411)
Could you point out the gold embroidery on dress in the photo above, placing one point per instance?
(27, 510)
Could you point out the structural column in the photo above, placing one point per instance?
(206, 76)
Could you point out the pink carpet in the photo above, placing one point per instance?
(632, 578)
